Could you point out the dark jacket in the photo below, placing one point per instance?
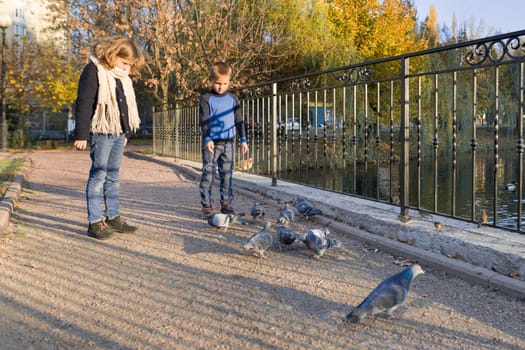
(87, 102)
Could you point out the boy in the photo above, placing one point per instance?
(219, 118)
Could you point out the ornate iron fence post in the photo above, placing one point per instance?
(155, 125)
(274, 117)
(176, 130)
(405, 139)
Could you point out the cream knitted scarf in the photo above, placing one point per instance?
(106, 119)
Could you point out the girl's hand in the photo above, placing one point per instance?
(80, 145)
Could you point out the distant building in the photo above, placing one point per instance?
(33, 19)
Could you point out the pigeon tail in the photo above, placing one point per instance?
(236, 220)
(332, 243)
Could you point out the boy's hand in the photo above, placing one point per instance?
(210, 146)
(80, 145)
(244, 147)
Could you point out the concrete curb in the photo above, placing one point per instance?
(470, 272)
(12, 194)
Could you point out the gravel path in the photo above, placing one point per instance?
(180, 284)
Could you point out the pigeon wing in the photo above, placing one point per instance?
(306, 208)
(314, 241)
(286, 236)
(218, 220)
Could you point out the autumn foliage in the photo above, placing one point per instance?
(262, 40)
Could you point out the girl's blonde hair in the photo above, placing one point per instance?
(220, 68)
(108, 49)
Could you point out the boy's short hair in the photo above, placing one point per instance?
(219, 68)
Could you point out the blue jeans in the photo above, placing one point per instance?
(106, 155)
(222, 159)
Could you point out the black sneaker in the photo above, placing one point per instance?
(227, 209)
(118, 224)
(100, 230)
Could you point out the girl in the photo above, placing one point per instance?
(106, 114)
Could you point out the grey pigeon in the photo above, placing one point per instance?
(318, 241)
(223, 221)
(286, 215)
(306, 209)
(387, 296)
(285, 235)
(260, 241)
(257, 211)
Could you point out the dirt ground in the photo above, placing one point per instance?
(180, 284)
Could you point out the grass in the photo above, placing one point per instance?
(8, 170)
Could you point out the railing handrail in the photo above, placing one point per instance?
(390, 59)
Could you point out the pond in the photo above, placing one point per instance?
(438, 190)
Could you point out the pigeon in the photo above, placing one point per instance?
(223, 221)
(317, 240)
(306, 208)
(285, 235)
(257, 211)
(286, 215)
(387, 296)
(260, 241)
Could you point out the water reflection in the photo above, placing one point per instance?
(441, 188)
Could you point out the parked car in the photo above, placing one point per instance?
(252, 127)
(291, 124)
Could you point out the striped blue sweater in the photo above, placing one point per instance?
(220, 117)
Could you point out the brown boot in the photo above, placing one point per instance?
(118, 224)
(207, 209)
(100, 230)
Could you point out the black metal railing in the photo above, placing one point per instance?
(434, 130)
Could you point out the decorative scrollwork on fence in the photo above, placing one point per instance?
(186, 103)
(299, 85)
(354, 75)
(255, 92)
(496, 51)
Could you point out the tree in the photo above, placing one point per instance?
(247, 34)
(37, 75)
(431, 29)
(181, 38)
(319, 40)
(56, 85)
(364, 22)
(155, 26)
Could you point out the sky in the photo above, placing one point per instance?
(500, 16)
